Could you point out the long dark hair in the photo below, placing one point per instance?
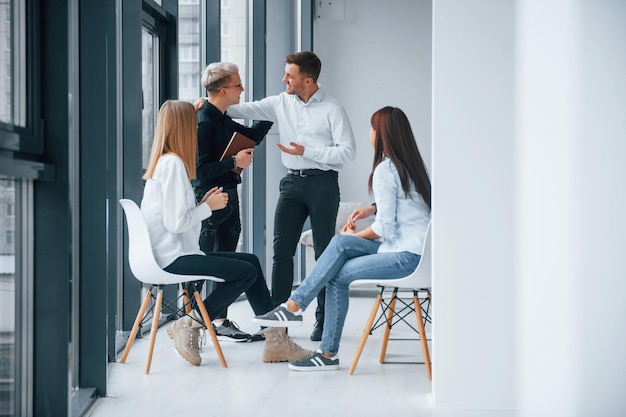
(395, 140)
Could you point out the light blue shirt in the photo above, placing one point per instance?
(172, 216)
(400, 221)
(321, 125)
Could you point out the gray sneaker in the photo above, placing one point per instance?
(280, 317)
(316, 361)
(186, 340)
(229, 331)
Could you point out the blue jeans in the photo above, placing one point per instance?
(346, 259)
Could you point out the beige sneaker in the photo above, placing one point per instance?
(186, 340)
(280, 348)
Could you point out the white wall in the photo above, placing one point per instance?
(473, 204)
(572, 194)
(378, 55)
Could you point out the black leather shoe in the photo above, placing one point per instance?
(257, 337)
(316, 336)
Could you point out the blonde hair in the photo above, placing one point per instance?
(217, 74)
(176, 132)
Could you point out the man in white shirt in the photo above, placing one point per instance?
(316, 140)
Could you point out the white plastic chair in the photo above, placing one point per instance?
(145, 268)
(419, 282)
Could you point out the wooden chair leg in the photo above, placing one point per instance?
(186, 301)
(155, 327)
(209, 326)
(422, 331)
(390, 313)
(135, 329)
(366, 332)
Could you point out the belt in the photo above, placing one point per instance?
(308, 172)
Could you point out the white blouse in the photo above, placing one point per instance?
(169, 207)
(400, 221)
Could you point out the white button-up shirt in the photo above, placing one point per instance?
(321, 125)
(400, 221)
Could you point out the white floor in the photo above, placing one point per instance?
(249, 387)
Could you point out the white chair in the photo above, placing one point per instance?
(419, 282)
(145, 268)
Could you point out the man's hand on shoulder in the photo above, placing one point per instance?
(199, 103)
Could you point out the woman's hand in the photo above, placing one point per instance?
(360, 213)
(347, 230)
(215, 198)
(208, 193)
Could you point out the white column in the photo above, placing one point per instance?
(473, 204)
(571, 227)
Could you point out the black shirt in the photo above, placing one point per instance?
(214, 132)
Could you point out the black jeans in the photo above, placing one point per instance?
(220, 232)
(315, 195)
(241, 272)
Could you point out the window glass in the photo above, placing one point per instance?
(6, 62)
(150, 89)
(224, 29)
(234, 15)
(7, 300)
(13, 62)
(189, 63)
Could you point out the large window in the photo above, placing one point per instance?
(189, 50)
(19, 130)
(234, 34)
(150, 88)
(232, 48)
(15, 299)
(17, 133)
(7, 303)
(13, 61)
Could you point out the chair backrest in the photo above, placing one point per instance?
(419, 278)
(141, 259)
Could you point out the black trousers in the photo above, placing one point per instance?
(242, 273)
(220, 233)
(313, 194)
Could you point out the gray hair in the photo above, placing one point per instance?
(217, 74)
